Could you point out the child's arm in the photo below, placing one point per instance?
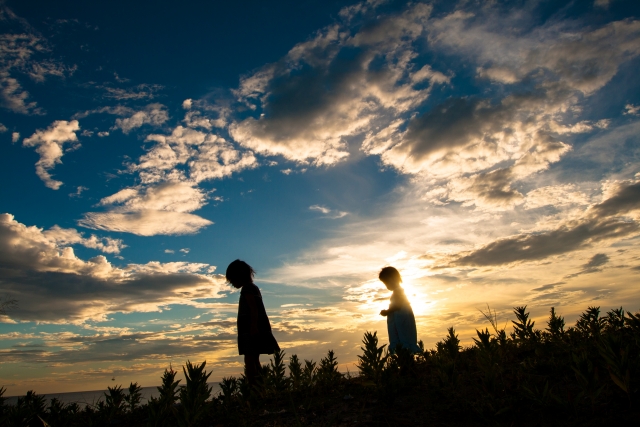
(390, 310)
(253, 314)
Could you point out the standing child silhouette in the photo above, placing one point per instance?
(401, 323)
(254, 330)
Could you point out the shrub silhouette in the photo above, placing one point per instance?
(586, 374)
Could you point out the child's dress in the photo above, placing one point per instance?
(401, 323)
(263, 342)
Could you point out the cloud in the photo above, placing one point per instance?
(202, 156)
(558, 196)
(52, 284)
(153, 114)
(581, 60)
(50, 143)
(335, 86)
(631, 110)
(166, 196)
(70, 236)
(202, 114)
(600, 223)
(169, 172)
(141, 91)
(118, 110)
(371, 81)
(146, 222)
(594, 265)
(78, 192)
(150, 210)
(328, 213)
(478, 147)
(185, 250)
(3, 128)
(169, 251)
(25, 53)
(15, 137)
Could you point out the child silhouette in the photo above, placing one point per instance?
(401, 323)
(254, 330)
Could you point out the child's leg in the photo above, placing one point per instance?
(252, 367)
(392, 329)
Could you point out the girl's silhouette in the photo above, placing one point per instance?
(254, 330)
(401, 323)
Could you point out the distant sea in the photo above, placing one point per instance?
(84, 398)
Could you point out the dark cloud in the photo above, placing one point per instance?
(593, 266)
(113, 348)
(600, 223)
(626, 200)
(495, 187)
(51, 284)
(528, 247)
(547, 287)
(453, 124)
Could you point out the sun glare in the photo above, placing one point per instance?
(417, 298)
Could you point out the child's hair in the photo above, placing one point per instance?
(239, 271)
(389, 273)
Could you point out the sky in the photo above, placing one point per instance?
(489, 150)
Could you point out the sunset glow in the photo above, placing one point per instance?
(490, 151)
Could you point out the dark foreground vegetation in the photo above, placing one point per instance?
(588, 374)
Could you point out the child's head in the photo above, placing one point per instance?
(239, 273)
(390, 277)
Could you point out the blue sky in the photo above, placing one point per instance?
(489, 150)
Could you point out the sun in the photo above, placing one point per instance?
(417, 297)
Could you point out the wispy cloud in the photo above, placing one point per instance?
(141, 91)
(153, 114)
(328, 213)
(49, 145)
(23, 52)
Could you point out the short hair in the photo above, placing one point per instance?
(239, 271)
(389, 273)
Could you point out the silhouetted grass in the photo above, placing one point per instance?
(587, 374)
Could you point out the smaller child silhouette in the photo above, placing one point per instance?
(254, 330)
(401, 323)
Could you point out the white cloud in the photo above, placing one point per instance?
(50, 143)
(557, 196)
(70, 236)
(169, 251)
(328, 213)
(153, 114)
(632, 110)
(103, 134)
(205, 155)
(145, 223)
(15, 137)
(3, 128)
(185, 250)
(149, 210)
(167, 196)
